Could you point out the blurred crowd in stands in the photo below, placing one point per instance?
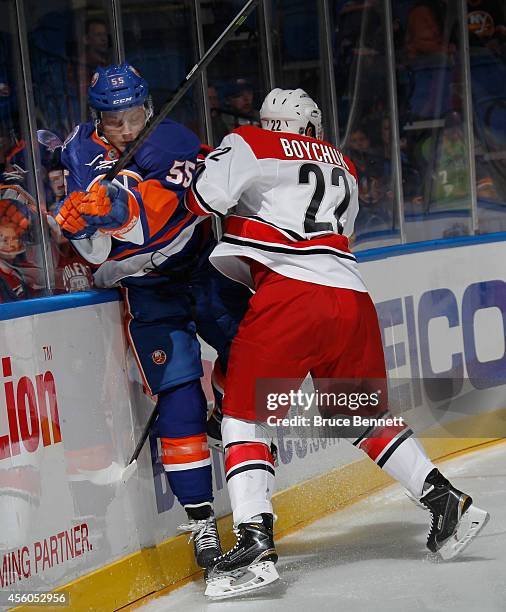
(433, 155)
(431, 106)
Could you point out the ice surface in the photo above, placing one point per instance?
(372, 556)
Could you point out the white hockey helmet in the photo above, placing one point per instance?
(291, 110)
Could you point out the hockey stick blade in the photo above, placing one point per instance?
(116, 473)
(183, 87)
(112, 474)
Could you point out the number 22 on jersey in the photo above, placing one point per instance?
(337, 179)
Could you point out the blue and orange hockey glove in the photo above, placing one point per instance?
(16, 214)
(69, 218)
(108, 207)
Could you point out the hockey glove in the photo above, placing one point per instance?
(105, 206)
(70, 220)
(16, 214)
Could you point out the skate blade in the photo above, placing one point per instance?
(256, 576)
(470, 525)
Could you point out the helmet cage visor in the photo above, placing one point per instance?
(131, 120)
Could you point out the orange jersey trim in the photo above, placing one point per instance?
(96, 138)
(185, 450)
(127, 319)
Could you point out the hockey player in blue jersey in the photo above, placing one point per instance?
(139, 235)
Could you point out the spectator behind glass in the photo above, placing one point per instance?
(487, 25)
(71, 272)
(239, 109)
(220, 129)
(374, 195)
(56, 184)
(96, 41)
(426, 63)
(14, 226)
(411, 181)
(6, 99)
(445, 153)
(5, 145)
(487, 41)
(359, 68)
(424, 31)
(94, 51)
(12, 283)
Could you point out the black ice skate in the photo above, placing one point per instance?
(202, 525)
(248, 565)
(455, 521)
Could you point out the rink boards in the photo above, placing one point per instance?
(70, 405)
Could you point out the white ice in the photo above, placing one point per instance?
(372, 556)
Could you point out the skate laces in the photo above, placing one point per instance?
(239, 536)
(203, 532)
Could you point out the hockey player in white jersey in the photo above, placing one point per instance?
(289, 202)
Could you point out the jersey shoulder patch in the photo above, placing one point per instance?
(78, 146)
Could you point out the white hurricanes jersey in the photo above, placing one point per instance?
(288, 201)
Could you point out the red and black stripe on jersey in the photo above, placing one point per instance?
(380, 443)
(246, 456)
(266, 236)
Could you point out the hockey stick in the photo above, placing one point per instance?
(132, 462)
(183, 87)
(116, 473)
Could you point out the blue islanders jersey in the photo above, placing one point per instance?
(161, 230)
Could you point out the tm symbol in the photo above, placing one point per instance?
(48, 353)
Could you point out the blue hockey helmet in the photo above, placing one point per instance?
(116, 88)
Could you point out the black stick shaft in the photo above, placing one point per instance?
(184, 86)
(144, 435)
